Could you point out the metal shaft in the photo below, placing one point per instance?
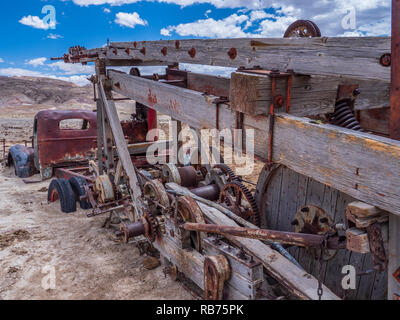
(289, 238)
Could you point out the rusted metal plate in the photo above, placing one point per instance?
(55, 146)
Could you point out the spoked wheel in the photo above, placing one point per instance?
(302, 29)
(240, 201)
(61, 189)
(292, 202)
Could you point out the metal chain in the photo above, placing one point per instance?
(320, 290)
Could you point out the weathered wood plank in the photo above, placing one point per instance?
(251, 94)
(361, 165)
(351, 56)
(217, 86)
(125, 158)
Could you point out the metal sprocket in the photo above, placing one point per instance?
(233, 195)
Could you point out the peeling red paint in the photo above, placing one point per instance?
(152, 98)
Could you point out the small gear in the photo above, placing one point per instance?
(151, 232)
(233, 194)
(227, 171)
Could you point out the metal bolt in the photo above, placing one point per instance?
(295, 222)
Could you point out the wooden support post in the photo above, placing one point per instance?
(100, 144)
(121, 145)
(394, 256)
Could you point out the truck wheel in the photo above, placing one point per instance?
(61, 189)
(78, 184)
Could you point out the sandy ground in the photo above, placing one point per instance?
(88, 264)
(35, 236)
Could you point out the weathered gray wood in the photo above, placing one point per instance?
(300, 283)
(394, 256)
(333, 202)
(353, 57)
(361, 165)
(375, 120)
(120, 142)
(251, 94)
(217, 86)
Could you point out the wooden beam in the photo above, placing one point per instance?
(361, 165)
(318, 56)
(217, 86)
(119, 138)
(252, 94)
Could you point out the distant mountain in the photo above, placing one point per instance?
(17, 91)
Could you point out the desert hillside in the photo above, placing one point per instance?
(17, 91)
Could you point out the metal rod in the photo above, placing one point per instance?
(274, 245)
(395, 73)
(290, 238)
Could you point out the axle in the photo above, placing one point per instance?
(288, 238)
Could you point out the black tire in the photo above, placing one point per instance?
(77, 184)
(61, 189)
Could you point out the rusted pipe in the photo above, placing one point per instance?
(132, 230)
(288, 238)
(395, 73)
(210, 192)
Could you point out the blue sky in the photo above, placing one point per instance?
(27, 42)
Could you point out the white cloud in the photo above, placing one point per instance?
(129, 20)
(72, 69)
(230, 27)
(106, 10)
(259, 15)
(80, 80)
(36, 22)
(165, 32)
(54, 36)
(37, 62)
(1, 60)
(327, 14)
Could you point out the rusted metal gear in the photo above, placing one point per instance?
(154, 190)
(227, 171)
(189, 211)
(302, 29)
(151, 228)
(233, 195)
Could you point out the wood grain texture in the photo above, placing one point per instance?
(361, 165)
(334, 203)
(350, 56)
(251, 94)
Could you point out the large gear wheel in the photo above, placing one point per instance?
(302, 29)
(189, 211)
(240, 201)
(227, 171)
(151, 231)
